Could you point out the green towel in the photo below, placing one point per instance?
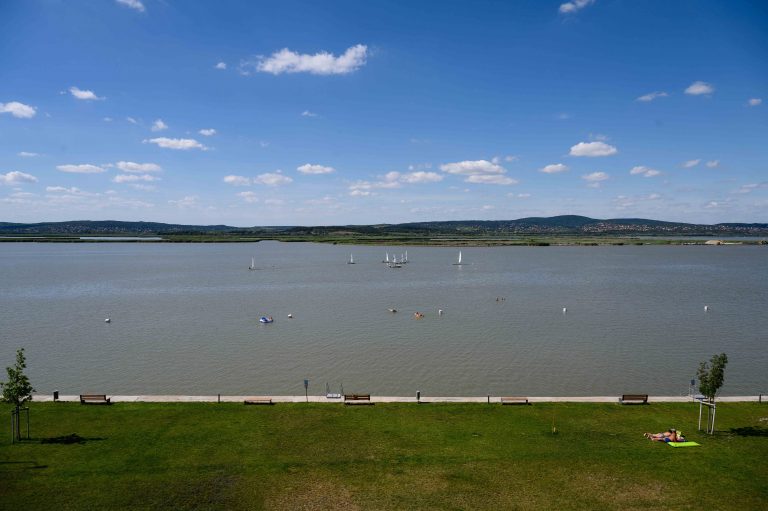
(683, 444)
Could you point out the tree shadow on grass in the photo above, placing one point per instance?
(749, 431)
(74, 438)
(18, 464)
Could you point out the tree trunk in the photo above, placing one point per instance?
(18, 423)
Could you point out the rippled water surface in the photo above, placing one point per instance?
(184, 318)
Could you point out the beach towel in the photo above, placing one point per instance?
(683, 444)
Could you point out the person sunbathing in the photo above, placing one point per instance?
(671, 435)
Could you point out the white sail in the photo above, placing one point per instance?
(459, 256)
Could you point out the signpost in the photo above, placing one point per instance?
(306, 386)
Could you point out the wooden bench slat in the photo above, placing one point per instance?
(258, 401)
(514, 400)
(94, 399)
(627, 399)
(357, 399)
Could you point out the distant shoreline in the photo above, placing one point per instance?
(453, 241)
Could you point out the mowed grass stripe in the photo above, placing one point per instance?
(388, 456)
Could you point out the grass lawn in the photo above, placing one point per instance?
(387, 456)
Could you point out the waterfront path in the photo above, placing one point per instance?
(384, 399)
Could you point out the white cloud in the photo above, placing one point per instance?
(248, 196)
(322, 63)
(237, 180)
(208, 132)
(699, 88)
(755, 102)
(144, 188)
(220, 65)
(177, 143)
(129, 166)
(644, 171)
(421, 177)
(307, 113)
(713, 164)
(469, 167)
(272, 179)
(72, 191)
(748, 188)
(159, 125)
(17, 109)
(691, 163)
(511, 157)
(554, 168)
(85, 168)
(131, 120)
(487, 179)
(359, 193)
(593, 149)
(574, 5)
(107, 119)
(274, 202)
(652, 95)
(315, 169)
(86, 95)
(16, 178)
(133, 4)
(187, 202)
(595, 178)
(25, 154)
(132, 178)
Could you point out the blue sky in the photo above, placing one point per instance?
(287, 113)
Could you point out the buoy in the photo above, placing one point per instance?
(439, 312)
(290, 316)
(706, 308)
(107, 320)
(565, 310)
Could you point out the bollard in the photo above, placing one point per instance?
(55, 395)
(219, 398)
(418, 396)
(489, 399)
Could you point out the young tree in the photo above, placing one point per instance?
(17, 389)
(712, 376)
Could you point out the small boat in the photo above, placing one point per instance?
(351, 259)
(266, 319)
(459, 263)
(253, 264)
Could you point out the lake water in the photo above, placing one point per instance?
(184, 318)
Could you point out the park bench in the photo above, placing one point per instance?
(634, 399)
(258, 401)
(357, 399)
(514, 401)
(94, 399)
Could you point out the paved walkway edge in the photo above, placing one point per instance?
(388, 399)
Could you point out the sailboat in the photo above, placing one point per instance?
(459, 263)
(351, 260)
(253, 264)
(386, 258)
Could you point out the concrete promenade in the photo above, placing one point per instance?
(386, 399)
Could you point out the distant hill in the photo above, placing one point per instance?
(563, 225)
